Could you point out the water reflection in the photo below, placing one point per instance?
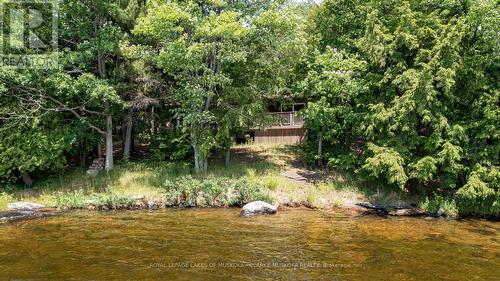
(216, 244)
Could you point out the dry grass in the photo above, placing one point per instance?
(277, 167)
(5, 199)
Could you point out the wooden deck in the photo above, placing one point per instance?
(284, 135)
(288, 128)
(286, 120)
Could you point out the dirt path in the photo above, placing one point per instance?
(300, 175)
(287, 158)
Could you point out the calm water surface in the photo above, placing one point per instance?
(216, 244)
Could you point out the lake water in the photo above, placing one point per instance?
(216, 244)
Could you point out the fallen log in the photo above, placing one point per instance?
(405, 211)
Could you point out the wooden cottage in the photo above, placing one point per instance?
(287, 128)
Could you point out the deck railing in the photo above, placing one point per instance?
(286, 119)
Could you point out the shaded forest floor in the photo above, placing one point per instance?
(285, 178)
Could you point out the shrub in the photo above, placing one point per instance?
(388, 163)
(214, 191)
(170, 145)
(481, 195)
(113, 201)
(189, 191)
(438, 204)
(271, 183)
(5, 199)
(248, 191)
(311, 198)
(71, 200)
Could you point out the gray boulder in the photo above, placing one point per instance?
(407, 212)
(13, 216)
(258, 208)
(25, 206)
(93, 173)
(96, 167)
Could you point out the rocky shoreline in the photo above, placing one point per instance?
(25, 210)
(15, 216)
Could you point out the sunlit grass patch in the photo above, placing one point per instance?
(74, 199)
(312, 197)
(5, 199)
(134, 183)
(265, 166)
(44, 198)
(271, 183)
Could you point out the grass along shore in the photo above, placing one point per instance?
(270, 173)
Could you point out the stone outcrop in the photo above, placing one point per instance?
(18, 215)
(258, 208)
(96, 167)
(408, 212)
(25, 206)
(404, 211)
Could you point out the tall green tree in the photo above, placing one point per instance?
(422, 111)
(213, 56)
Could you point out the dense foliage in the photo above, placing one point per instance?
(402, 92)
(407, 92)
(212, 192)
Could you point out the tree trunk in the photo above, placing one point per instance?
(83, 159)
(128, 135)
(83, 154)
(101, 69)
(196, 158)
(99, 149)
(124, 131)
(132, 140)
(26, 178)
(109, 138)
(228, 157)
(203, 164)
(320, 150)
(200, 164)
(152, 129)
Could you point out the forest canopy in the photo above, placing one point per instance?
(405, 93)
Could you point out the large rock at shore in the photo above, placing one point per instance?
(403, 211)
(13, 216)
(408, 212)
(258, 208)
(25, 206)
